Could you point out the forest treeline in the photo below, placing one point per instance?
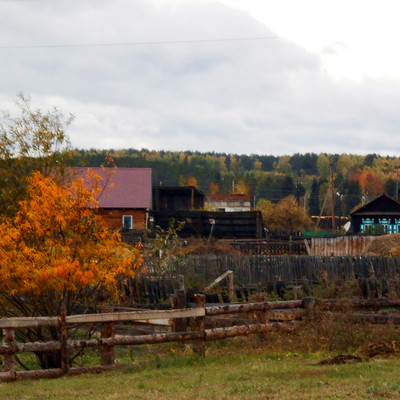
(357, 178)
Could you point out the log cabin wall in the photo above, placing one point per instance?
(113, 217)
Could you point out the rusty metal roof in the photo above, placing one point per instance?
(121, 187)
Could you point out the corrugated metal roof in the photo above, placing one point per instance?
(123, 187)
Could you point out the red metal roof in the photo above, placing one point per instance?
(123, 187)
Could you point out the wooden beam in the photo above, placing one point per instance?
(28, 322)
(142, 316)
(250, 307)
(244, 330)
(219, 279)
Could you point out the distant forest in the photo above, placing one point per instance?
(356, 178)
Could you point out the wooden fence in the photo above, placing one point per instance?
(270, 316)
(109, 340)
(340, 246)
(257, 272)
(270, 247)
(261, 269)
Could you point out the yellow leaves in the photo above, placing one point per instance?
(214, 188)
(57, 242)
(286, 215)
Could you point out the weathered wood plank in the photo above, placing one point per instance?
(136, 316)
(28, 322)
(142, 316)
(244, 330)
(250, 307)
(30, 347)
(51, 373)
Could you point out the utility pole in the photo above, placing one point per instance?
(397, 167)
(298, 193)
(331, 192)
(332, 196)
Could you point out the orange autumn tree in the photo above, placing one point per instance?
(58, 252)
(57, 249)
(370, 183)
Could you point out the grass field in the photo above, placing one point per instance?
(240, 369)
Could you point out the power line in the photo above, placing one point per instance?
(146, 43)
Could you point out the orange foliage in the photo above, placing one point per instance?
(57, 244)
(241, 187)
(192, 182)
(369, 182)
(214, 188)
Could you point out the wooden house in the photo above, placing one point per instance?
(125, 197)
(383, 211)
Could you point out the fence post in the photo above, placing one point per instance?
(107, 351)
(199, 346)
(9, 358)
(179, 302)
(230, 286)
(261, 316)
(309, 305)
(63, 339)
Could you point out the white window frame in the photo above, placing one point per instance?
(130, 219)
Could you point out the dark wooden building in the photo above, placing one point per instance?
(383, 211)
(221, 225)
(174, 198)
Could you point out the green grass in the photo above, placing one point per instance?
(240, 369)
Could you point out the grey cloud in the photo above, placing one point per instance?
(259, 96)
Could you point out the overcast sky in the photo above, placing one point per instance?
(239, 76)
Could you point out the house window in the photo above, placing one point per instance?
(387, 226)
(367, 225)
(127, 221)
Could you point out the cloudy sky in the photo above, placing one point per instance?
(236, 76)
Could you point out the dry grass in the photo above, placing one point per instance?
(200, 246)
(383, 245)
